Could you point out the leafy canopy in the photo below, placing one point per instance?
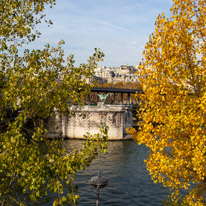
(173, 107)
(38, 82)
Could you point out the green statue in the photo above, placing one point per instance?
(103, 97)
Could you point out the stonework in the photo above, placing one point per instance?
(89, 119)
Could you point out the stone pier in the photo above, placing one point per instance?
(89, 118)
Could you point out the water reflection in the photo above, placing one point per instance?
(129, 181)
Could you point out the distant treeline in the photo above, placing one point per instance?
(126, 85)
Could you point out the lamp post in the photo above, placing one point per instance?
(98, 182)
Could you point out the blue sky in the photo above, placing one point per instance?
(120, 28)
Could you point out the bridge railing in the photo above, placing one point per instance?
(117, 96)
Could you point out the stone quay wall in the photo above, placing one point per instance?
(89, 119)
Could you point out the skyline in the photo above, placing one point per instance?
(120, 28)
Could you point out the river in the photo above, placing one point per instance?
(129, 181)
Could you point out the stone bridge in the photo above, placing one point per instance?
(117, 117)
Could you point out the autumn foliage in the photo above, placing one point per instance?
(38, 82)
(173, 106)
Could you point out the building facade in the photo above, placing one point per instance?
(124, 73)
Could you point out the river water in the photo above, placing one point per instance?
(129, 181)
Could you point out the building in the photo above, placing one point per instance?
(124, 73)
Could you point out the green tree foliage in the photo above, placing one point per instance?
(173, 106)
(39, 82)
(123, 85)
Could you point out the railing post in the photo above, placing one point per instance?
(97, 97)
(88, 99)
(121, 98)
(128, 101)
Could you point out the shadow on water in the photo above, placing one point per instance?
(129, 181)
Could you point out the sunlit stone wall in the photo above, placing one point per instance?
(89, 118)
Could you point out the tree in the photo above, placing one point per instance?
(173, 106)
(39, 83)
